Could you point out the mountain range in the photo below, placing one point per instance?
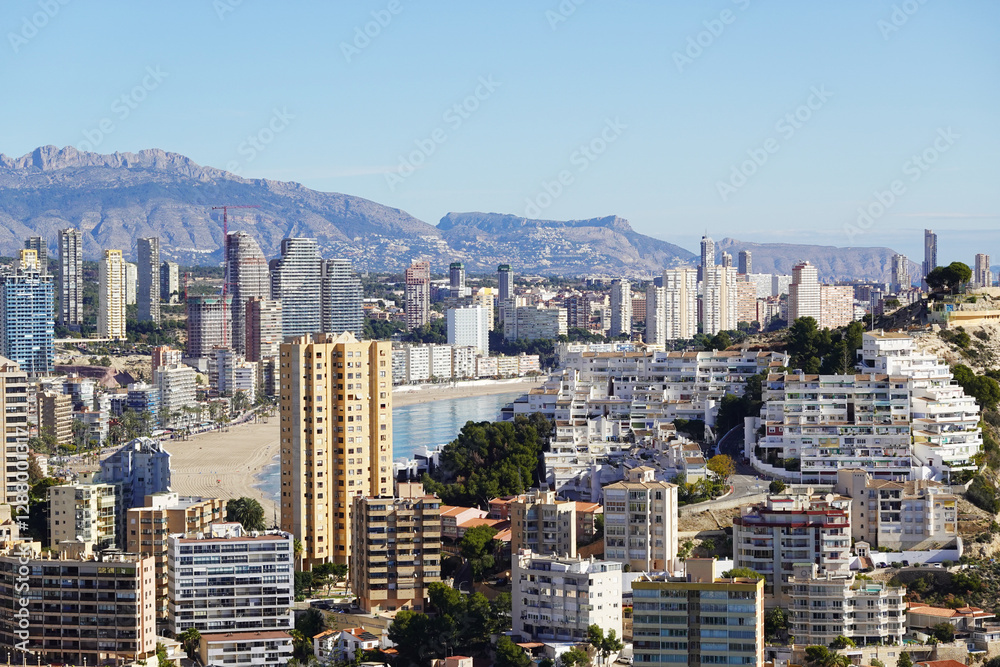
(115, 199)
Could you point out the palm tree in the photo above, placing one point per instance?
(297, 550)
(191, 640)
(248, 512)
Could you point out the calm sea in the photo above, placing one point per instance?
(421, 425)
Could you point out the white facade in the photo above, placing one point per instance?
(534, 322)
(640, 522)
(804, 293)
(557, 599)
(680, 315)
(719, 304)
(621, 309)
(469, 326)
(178, 390)
(111, 307)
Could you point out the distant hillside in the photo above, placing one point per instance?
(832, 263)
(606, 245)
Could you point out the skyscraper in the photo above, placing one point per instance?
(900, 273)
(680, 317)
(297, 280)
(707, 256)
(505, 285)
(418, 295)
(263, 335)
(71, 278)
(247, 278)
(456, 279)
(131, 283)
(930, 251)
(14, 426)
(208, 322)
(745, 262)
(41, 248)
(621, 308)
(804, 293)
(982, 276)
(350, 441)
(26, 324)
(727, 259)
(111, 296)
(343, 299)
(719, 304)
(468, 326)
(170, 283)
(148, 285)
(656, 306)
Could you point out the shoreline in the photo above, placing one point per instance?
(231, 464)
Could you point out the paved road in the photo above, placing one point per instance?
(747, 481)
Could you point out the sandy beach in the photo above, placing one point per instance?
(226, 464)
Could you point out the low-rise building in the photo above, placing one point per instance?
(640, 521)
(452, 517)
(395, 551)
(822, 608)
(336, 646)
(699, 618)
(922, 616)
(260, 647)
(556, 598)
(790, 529)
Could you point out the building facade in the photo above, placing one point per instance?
(621, 308)
(27, 327)
(263, 335)
(148, 284)
(111, 307)
(418, 295)
(246, 278)
(336, 417)
(469, 326)
(208, 324)
(640, 522)
(71, 278)
(342, 299)
(297, 281)
(14, 424)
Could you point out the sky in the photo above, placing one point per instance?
(855, 123)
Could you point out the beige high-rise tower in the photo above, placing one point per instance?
(336, 437)
(111, 312)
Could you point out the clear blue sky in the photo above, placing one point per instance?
(687, 123)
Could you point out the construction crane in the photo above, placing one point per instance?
(225, 259)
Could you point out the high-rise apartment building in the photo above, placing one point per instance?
(836, 306)
(208, 324)
(239, 607)
(343, 299)
(699, 618)
(395, 551)
(746, 300)
(106, 615)
(26, 310)
(930, 251)
(680, 313)
(621, 308)
(745, 262)
(111, 297)
(656, 314)
(534, 322)
(900, 273)
(543, 524)
(556, 598)
(456, 279)
(297, 281)
(804, 293)
(247, 278)
(486, 298)
(719, 305)
(505, 285)
(131, 283)
(142, 468)
(86, 512)
(41, 248)
(178, 389)
(707, 253)
(771, 537)
(55, 415)
(982, 276)
(418, 295)
(170, 282)
(579, 311)
(14, 426)
(726, 260)
(640, 521)
(263, 336)
(336, 419)
(164, 355)
(469, 326)
(163, 515)
(71, 278)
(148, 285)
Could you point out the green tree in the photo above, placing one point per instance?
(248, 512)
(603, 644)
(742, 573)
(509, 654)
(776, 486)
(821, 656)
(943, 632)
(983, 388)
(722, 466)
(842, 642)
(776, 624)
(904, 660)
(479, 547)
(190, 639)
(575, 657)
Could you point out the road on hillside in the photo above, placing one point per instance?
(747, 481)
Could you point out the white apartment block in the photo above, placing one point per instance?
(719, 305)
(804, 293)
(836, 306)
(535, 322)
(178, 394)
(656, 318)
(556, 598)
(640, 522)
(440, 361)
(822, 608)
(621, 308)
(412, 364)
(906, 515)
(227, 581)
(463, 361)
(84, 512)
(469, 326)
(773, 537)
(111, 307)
